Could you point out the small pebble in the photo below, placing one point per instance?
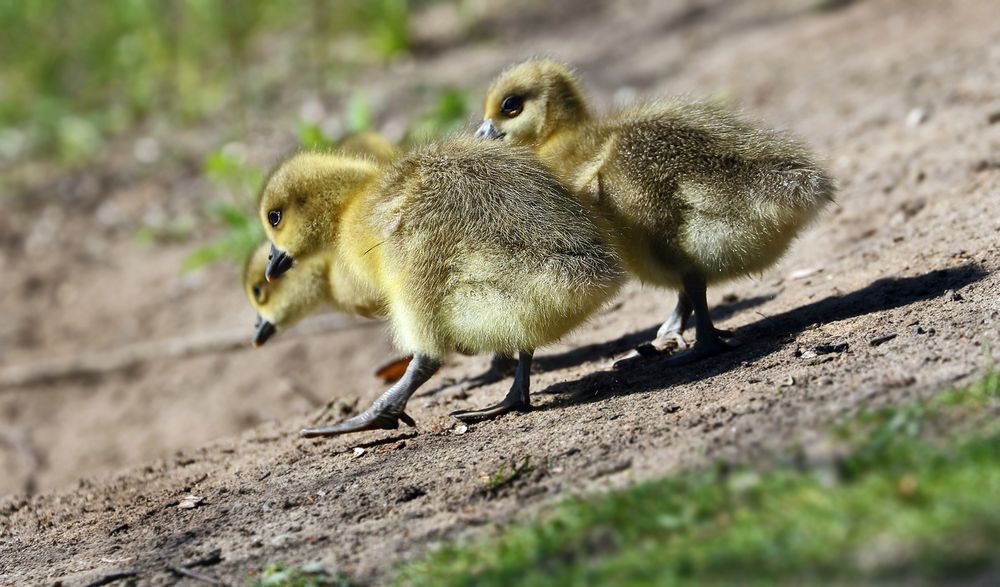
(358, 451)
(189, 502)
(882, 339)
(460, 429)
(916, 117)
(825, 349)
(803, 273)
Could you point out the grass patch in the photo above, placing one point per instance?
(911, 498)
(78, 73)
(308, 575)
(508, 473)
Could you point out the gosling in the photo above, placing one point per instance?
(280, 308)
(320, 281)
(282, 304)
(317, 281)
(468, 245)
(697, 196)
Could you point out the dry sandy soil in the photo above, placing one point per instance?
(155, 401)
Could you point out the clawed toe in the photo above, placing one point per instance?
(698, 352)
(636, 356)
(490, 412)
(369, 420)
(669, 342)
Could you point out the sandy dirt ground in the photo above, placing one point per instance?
(98, 454)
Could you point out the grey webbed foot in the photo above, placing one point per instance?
(636, 356)
(386, 412)
(674, 341)
(511, 403)
(652, 350)
(370, 419)
(708, 339)
(517, 399)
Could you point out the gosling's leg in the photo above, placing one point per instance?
(672, 330)
(670, 334)
(517, 399)
(501, 366)
(708, 341)
(386, 412)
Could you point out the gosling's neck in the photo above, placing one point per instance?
(567, 149)
(356, 267)
(350, 292)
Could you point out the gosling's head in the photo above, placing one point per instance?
(301, 201)
(281, 304)
(530, 101)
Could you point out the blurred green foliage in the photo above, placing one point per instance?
(75, 73)
(235, 210)
(912, 499)
(389, 25)
(449, 113)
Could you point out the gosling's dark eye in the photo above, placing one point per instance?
(257, 291)
(274, 217)
(512, 106)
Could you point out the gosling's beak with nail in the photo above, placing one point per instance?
(264, 330)
(487, 130)
(278, 262)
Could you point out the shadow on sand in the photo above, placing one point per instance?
(608, 349)
(762, 337)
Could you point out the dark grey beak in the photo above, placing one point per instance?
(264, 331)
(488, 131)
(277, 263)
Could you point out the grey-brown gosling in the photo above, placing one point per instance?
(696, 195)
(469, 246)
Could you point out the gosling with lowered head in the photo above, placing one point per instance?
(468, 245)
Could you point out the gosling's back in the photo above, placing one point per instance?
(481, 238)
(730, 196)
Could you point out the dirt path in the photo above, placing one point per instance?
(901, 96)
